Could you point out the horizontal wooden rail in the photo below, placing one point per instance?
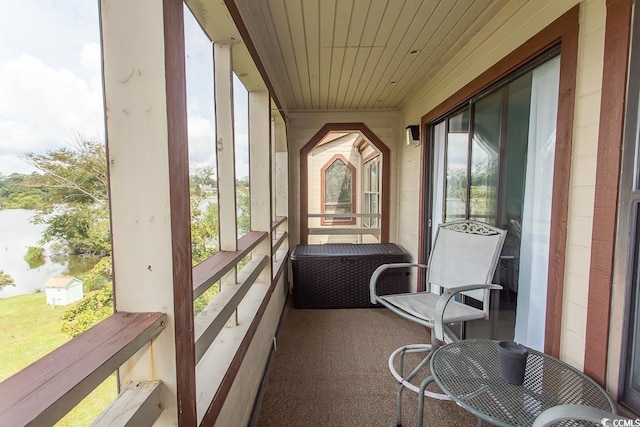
(279, 240)
(344, 231)
(139, 404)
(213, 318)
(344, 215)
(222, 392)
(213, 268)
(278, 222)
(46, 390)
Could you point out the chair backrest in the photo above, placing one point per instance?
(465, 253)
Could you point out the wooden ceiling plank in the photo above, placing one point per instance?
(441, 47)
(271, 54)
(359, 16)
(432, 68)
(280, 20)
(327, 21)
(444, 19)
(375, 14)
(343, 54)
(401, 31)
(389, 19)
(298, 37)
(369, 36)
(362, 57)
(340, 32)
(404, 40)
(347, 68)
(310, 14)
(354, 47)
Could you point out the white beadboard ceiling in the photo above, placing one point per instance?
(355, 54)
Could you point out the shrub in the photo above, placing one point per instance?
(99, 276)
(35, 256)
(5, 280)
(88, 312)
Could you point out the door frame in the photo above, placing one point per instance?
(385, 184)
(565, 32)
(605, 358)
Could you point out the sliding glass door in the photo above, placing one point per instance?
(492, 161)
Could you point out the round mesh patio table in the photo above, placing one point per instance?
(468, 372)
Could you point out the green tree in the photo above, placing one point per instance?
(243, 206)
(76, 209)
(6, 280)
(93, 308)
(204, 232)
(204, 217)
(77, 221)
(96, 307)
(88, 312)
(100, 275)
(204, 176)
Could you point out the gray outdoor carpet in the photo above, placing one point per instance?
(330, 369)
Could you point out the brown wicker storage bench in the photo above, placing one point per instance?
(337, 275)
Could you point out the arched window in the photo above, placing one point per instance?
(338, 191)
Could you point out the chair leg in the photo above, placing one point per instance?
(399, 405)
(400, 389)
(405, 380)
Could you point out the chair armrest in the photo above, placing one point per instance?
(575, 412)
(438, 315)
(378, 271)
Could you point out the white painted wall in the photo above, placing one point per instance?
(512, 26)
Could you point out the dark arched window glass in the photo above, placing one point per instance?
(338, 177)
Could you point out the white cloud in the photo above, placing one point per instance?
(242, 154)
(14, 164)
(41, 107)
(201, 142)
(50, 82)
(90, 57)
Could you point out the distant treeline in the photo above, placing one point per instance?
(22, 191)
(16, 192)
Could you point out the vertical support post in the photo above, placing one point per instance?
(282, 168)
(274, 168)
(146, 128)
(225, 158)
(260, 167)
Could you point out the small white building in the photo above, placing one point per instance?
(63, 290)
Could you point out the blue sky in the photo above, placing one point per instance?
(51, 90)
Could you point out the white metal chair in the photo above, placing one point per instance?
(463, 261)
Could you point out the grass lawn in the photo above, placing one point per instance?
(30, 329)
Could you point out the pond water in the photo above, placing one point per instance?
(17, 233)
